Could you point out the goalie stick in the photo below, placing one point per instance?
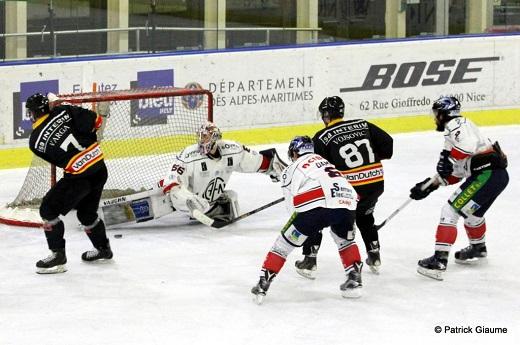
(400, 208)
(201, 217)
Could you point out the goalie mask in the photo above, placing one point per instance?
(331, 108)
(444, 109)
(207, 137)
(36, 106)
(300, 145)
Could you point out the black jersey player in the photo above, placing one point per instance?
(66, 137)
(356, 147)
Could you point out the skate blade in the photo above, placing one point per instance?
(103, 261)
(309, 274)
(352, 293)
(52, 270)
(434, 274)
(471, 262)
(258, 299)
(374, 269)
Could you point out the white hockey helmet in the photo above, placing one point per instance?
(207, 137)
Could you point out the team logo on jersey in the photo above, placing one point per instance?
(152, 111)
(22, 125)
(192, 101)
(214, 189)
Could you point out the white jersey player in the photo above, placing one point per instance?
(320, 197)
(468, 155)
(198, 176)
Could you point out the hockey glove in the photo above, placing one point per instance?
(418, 192)
(276, 165)
(445, 165)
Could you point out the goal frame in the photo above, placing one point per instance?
(25, 217)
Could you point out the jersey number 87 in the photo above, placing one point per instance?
(353, 157)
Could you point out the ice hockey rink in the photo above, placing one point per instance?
(176, 282)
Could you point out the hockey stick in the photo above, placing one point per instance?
(201, 217)
(400, 208)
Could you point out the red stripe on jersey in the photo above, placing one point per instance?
(265, 164)
(458, 154)
(446, 234)
(475, 232)
(311, 195)
(273, 262)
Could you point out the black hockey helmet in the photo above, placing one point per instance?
(299, 146)
(331, 108)
(444, 109)
(37, 105)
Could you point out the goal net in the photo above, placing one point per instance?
(143, 131)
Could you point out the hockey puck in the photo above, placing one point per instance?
(118, 236)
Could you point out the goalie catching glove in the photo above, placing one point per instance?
(276, 165)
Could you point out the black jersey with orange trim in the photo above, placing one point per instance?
(66, 137)
(356, 148)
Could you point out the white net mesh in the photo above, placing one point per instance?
(141, 135)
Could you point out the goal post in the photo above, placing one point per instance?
(143, 131)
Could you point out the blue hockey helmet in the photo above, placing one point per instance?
(300, 145)
(444, 109)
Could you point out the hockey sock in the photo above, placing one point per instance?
(349, 255)
(445, 237)
(273, 262)
(54, 232)
(476, 234)
(97, 234)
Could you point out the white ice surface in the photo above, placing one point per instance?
(172, 282)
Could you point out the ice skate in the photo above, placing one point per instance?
(307, 267)
(98, 254)
(434, 266)
(259, 290)
(54, 263)
(352, 287)
(373, 258)
(472, 254)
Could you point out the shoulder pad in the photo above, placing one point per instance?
(229, 146)
(190, 153)
(453, 124)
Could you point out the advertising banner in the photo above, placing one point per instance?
(261, 88)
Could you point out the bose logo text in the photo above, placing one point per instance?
(410, 74)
